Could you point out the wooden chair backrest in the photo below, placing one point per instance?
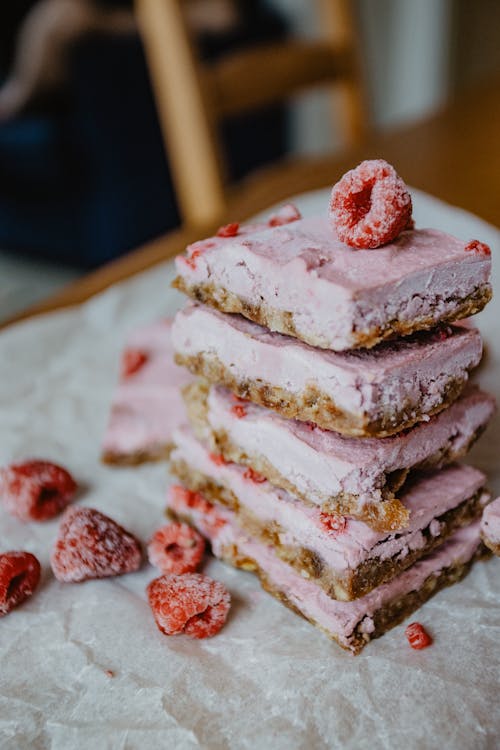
(191, 97)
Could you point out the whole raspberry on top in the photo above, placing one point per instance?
(370, 205)
(176, 548)
(191, 604)
(36, 490)
(19, 577)
(91, 545)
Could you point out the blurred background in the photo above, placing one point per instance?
(84, 173)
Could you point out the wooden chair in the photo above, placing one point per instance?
(191, 97)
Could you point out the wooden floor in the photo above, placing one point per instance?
(455, 156)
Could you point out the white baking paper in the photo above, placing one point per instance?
(83, 666)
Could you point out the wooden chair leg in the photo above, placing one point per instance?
(337, 24)
(183, 110)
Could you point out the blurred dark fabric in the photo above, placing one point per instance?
(84, 177)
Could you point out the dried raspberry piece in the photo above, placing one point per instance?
(310, 426)
(176, 548)
(417, 635)
(370, 205)
(333, 524)
(132, 361)
(285, 215)
(239, 411)
(92, 545)
(253, 476)
(479, 248)
(191, 261)
(442, 333)
(182, 498)
(218, 459)
(19, 577)
(238, 399)
(191, 604)
(36, 490)
(229, 230)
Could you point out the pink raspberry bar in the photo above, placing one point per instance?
(490, 526)
(354, 476)
(345, 557)
(147, 405)
(375, 392)
(299, 279)
(351, 624)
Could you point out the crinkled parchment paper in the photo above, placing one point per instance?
(83, 666)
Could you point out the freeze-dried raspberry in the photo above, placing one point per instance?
(442, 333)
(229, 230)
(417, 635)
(176, 548)
(310, 426)
(182, 501)
(238, 399)
(333, 524)
(191, 604)
(370, 205)
(91, 545)
(132, 361)
(19, 577)
(479, 248)
(182, 498)
(191, 260)
(36, 490)
(239, 411)
(285, 215)
(218, 459)
(253, 476)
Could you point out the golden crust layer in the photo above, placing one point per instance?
(162, 453)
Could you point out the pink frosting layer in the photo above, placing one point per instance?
(336, 617)
(147, 405)
(490, 524)
(321, 463)
(430, 497)
(371, 382)
(333, 290)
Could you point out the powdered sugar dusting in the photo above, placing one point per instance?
(91, 545)
(193, 604)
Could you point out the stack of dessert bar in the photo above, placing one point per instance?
(332, 405)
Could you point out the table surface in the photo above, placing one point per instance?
(455, 155)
